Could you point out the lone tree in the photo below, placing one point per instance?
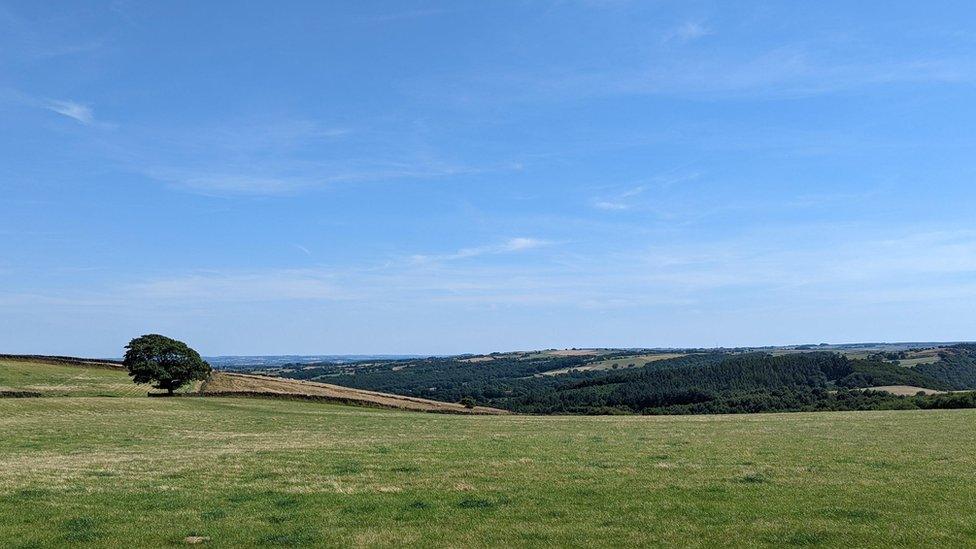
(168, 363)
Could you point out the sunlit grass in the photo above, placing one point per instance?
(148, 472)
(69, 380)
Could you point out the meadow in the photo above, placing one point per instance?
(65, 379)
(101, 471)
(121, 469)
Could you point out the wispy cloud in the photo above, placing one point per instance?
(721, 274)
(607, 205)
(633, 197)
(247, 158)
(218, 184)
(71, 109)
(288, 178)
(517, 244)
(787, 71)
(686, 32)
(412, 14)
(622, 201)
(270, 285)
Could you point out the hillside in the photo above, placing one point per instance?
(62, 376)
(49, 376)
(672, 382)
(233, 384)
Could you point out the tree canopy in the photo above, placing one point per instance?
(166, 362)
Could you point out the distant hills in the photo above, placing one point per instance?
(247, 362)
(236, 362)
(863, 376)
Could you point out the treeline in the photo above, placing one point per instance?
(697, 383)
(752, 382)
(450, 379)
(956, 367)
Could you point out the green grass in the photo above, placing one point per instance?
(64, 380)
(125, 472)
(69, 380)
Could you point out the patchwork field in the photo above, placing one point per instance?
(146, 472)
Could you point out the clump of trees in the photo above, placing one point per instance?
(166, 363)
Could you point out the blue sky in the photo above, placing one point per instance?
(396, 177)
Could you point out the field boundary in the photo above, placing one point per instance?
(19, 394)
(67, 360)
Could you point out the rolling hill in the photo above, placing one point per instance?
(604, 381)
(65, 376)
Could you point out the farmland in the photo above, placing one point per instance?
(136, 471)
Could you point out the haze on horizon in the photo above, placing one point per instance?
(453, 177)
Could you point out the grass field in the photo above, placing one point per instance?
(63, 380)
(100, 471)
(912, 362)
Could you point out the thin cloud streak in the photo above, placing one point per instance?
(73, 110)
(517, 244)
(785, 72)
(253, 159)
(744, 270)
(687, 32)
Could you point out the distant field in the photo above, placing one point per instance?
(634, 361)
(905, 390)
(127, 472)
(912, 362)
(576, 352)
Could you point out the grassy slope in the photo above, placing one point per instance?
(65, 379)
(85, 380)
(139, 471)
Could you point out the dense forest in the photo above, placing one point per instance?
(956, 367)
(686, 382)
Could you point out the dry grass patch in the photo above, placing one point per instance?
(242, 384)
